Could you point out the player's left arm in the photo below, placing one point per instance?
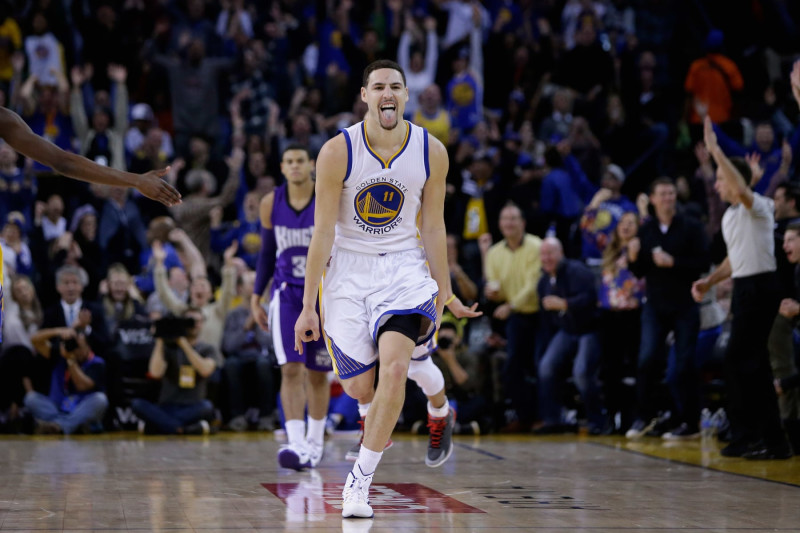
(20, 137)
(432, 228)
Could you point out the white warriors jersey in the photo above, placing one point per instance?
(381, 199)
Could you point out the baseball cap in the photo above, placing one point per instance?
(616, 172)
(141, 112)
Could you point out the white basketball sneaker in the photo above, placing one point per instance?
(355, 497)
(293, 457)
(315, 452)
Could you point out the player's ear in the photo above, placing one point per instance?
(364, 95)
(406, 94)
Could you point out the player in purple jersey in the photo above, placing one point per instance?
(287, 221)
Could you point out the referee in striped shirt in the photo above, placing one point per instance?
(747, 228)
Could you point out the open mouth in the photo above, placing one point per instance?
(388, 110)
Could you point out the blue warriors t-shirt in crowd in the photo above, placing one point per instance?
(463, 102)
(63, 392)
(598, 224)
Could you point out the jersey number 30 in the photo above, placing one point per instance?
(299, 266)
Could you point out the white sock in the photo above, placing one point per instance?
(363, 408)
(367, 462)
(439, 412)
(295, 431)
(316, 430)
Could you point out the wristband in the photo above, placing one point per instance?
(450, 300)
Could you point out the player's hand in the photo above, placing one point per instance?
(258, 313)
(306, 329)
(460, 310)
(154, 187)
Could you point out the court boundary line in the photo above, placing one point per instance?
(678, 461)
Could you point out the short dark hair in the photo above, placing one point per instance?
(791, 191)
(379, 64)
(663, 180)
(512, 203)
(740, 164)
(794, 226)
(297, 146)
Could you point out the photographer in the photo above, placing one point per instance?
(462, 384)
(76, 400)
(183, 364)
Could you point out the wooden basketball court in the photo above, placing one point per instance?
(231, 482)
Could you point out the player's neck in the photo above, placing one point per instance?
(380, 137)
(300, 191)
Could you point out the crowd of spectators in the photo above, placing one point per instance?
(580, 198)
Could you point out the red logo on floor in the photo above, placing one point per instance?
(318, 498)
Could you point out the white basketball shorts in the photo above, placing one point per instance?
(360, 292)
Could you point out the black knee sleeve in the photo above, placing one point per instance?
(408, 325)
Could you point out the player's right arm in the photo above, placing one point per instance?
(265, 265)
(331, 169)
(19, 136)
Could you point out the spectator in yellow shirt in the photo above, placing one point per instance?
(512, 271)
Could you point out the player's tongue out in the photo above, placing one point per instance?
(388, 111)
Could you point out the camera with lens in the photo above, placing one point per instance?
(173, 327)
(445, 343)
(70, 344)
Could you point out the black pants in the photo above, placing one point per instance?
(15, 364)
(620, 332)
(752, 403)
(522, 360)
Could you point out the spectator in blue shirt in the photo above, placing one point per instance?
(77, 399)
(246, 230)
(565, 191)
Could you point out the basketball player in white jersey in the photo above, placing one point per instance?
(378, 297)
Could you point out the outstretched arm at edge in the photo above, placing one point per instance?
(19, 136)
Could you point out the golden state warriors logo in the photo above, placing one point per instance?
(378, 205)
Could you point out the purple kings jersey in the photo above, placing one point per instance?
(292, 236)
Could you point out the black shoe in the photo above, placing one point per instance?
(767, 453)
(736, 449)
